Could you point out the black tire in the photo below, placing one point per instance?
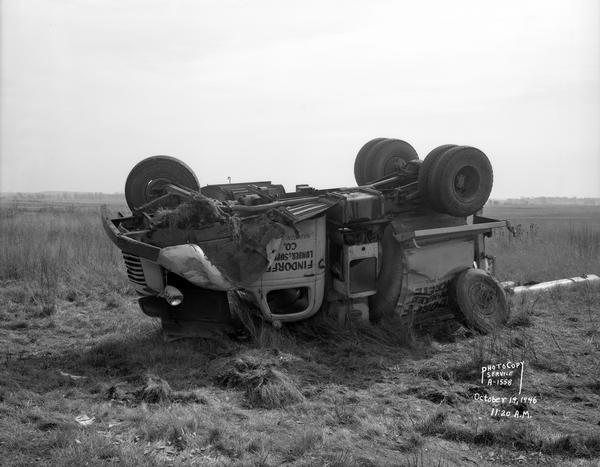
(461, 181)
(427, 168)
(146, 178)
(386, 157)
(389, 280)
(478, 301)
(361, 157)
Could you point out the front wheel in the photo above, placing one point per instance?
(478, 300)
(147, 180)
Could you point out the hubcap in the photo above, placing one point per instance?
(466, 182)
(483, 298)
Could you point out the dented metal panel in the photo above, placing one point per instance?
(190, 262)
(428, 269)
(305, 211)
(439, 260)
(299, 264)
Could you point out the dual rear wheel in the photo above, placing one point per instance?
(455, 180)
(380, 157)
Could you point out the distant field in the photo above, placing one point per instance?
(548, 214)
(552, 242)
(57, 250)
(73, 343)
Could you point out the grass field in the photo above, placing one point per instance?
(73, 343)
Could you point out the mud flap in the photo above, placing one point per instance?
(203, 313)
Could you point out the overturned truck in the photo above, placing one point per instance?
(408, 239)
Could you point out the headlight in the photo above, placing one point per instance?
(172, 295)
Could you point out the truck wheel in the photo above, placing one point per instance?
(147, 179)
(426, 171)
(389, 280)
(478, 300)
(461, 181)
(386, 157)
(361, 157)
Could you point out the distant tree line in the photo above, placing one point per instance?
(546, 200)
(69, 196)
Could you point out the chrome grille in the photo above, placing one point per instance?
(135, 272)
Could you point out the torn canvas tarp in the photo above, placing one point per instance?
(190, 262)
(215, 249)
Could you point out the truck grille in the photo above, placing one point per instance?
(135, 272)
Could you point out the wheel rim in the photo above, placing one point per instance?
(394, 164)
(484, 299)
(466, 182)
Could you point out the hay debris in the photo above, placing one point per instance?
(195, 213)
(155, 391)
(263, 384)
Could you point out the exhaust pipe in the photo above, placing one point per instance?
(513, 289)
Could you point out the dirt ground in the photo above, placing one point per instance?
(87, 379)
(310, 394)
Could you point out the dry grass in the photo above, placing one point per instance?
(58, 253)
(551, 243)
(511, 435)
(313, 393)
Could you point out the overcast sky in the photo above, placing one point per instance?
(289, 91)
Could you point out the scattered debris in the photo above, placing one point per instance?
(437, 396)
(71, 377)
(119, 392)
(154, 391)
(84, 420)
(244, 245)
(513, 289)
